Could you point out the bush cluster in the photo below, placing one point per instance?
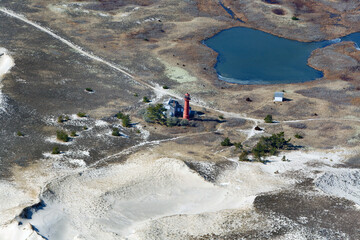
(270, 145)
(126, 121)
(62, 136)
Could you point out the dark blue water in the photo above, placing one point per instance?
(248, 56)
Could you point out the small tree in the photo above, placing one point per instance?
(268, 119)
(226, 142)
(155, 114)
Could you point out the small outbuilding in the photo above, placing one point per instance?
(278, 97)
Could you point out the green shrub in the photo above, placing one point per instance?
(55, 150)
(85, 128)
(226, 142)
(115, 132)
(165, 87)
(60, 119)
(81, 114)
(268, 119)
(172, 121)
(20, 134)
(283, 159)
(295, 18)
(298, 136)
(221, 116)
(89, 90)
(138, 131)
(67, 118)
(73, 134)
(146, 99)
(62, 136)
(136, 95)
(184, 122)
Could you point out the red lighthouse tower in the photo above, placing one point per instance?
(186, 114)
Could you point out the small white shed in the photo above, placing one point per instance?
(278, 97)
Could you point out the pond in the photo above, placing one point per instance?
(248, 56)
